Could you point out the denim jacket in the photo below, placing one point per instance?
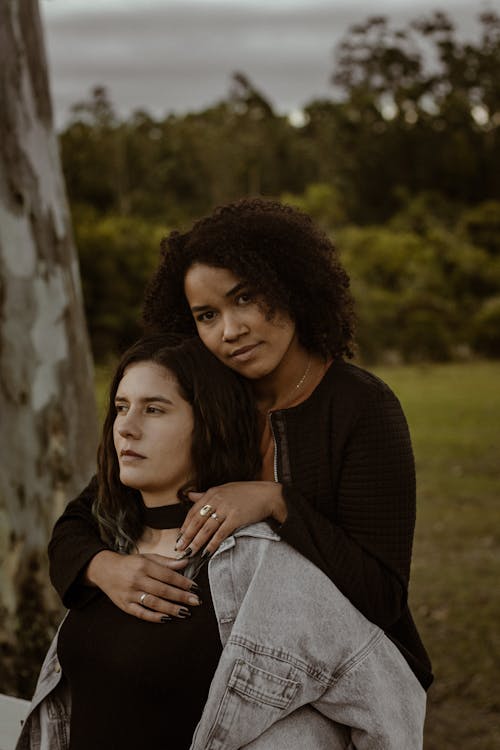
(47, 724)
(300, 667)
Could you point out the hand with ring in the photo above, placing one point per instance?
(205, 511)
(149, 586)
(219, 511)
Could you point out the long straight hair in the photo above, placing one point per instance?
(225, 445)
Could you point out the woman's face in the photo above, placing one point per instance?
(233, 324)
(153, 432)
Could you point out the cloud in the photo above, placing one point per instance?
(180, 56)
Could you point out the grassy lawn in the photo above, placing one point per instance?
(454, 416)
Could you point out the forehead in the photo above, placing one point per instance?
(147, 378)
(202, 281)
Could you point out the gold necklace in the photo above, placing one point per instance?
(301, 381)
(295, 389)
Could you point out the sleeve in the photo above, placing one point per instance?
(74, 542)
(365, 544)
(379, 699)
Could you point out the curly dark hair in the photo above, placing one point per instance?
(225, 446)
(279, 253)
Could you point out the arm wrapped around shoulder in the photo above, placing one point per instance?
(75, 541)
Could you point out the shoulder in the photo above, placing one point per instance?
(346, 396)
(348, 382)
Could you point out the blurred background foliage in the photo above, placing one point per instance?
(400, 166)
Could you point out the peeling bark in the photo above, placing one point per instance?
(48, 426)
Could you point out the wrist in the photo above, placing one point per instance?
(279, 510)
(92, 575)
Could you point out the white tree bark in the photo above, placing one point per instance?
(47, 411)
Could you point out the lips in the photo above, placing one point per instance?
(130, 454)
(243, 352)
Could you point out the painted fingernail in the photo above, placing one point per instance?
(185, 554)
(179, 537)
(194, 586)
(194, 600)
(165, 618)
(206, 554)
(184, 612)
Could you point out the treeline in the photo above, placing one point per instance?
(401, 165)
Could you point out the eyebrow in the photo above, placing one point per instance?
(147, 400)
(236, 288)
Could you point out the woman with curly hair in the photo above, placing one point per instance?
(265, 291)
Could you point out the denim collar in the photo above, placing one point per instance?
(260, 530)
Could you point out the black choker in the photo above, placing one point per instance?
(165, 516)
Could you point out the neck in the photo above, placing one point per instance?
(157, 499)
(286, 382)
(158, 541)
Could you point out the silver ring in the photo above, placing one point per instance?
(216, 517)
(141, 598)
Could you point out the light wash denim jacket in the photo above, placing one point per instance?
(301, 668)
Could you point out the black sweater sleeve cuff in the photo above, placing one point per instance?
(73, 592)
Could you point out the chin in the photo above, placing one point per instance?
(255, 371)
(129, 482)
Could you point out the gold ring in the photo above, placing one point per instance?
(206, 510)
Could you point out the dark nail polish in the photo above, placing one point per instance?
(179, 537)
(184, 612)
(165, 618)
(206, 554)
(186, 553)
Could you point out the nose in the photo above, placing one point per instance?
(127, 426)
(234, 327)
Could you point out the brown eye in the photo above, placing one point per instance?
(205, 317)
(154, 410)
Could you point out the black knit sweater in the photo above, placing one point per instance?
(346, 463)
(345, 459)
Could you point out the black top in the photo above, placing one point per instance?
(165, 516)
(346, 462)
(136, 684)
(345, 455)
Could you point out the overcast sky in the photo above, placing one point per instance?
(178, 55)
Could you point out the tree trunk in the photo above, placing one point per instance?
(47, 410)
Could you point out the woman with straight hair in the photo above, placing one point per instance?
(270, 654)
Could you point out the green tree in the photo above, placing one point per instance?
(404, 125)
(323, 202)
(486, 328)
(417, 294)
(117, 257)
(92, 150)
(481, 225)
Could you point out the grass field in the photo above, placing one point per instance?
(454, 416)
